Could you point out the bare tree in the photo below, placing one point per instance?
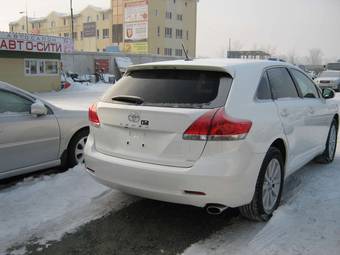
(315, 56)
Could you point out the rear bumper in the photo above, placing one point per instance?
(225, 179)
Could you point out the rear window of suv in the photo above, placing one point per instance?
(173, 88)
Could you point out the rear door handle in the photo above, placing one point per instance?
(284, 113)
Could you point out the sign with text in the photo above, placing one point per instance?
(35, 43)
(136, 16)
(90, 29)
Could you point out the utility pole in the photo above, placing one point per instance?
(26, 13)
(72, 21)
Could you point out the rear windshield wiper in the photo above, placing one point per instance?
(129, 99)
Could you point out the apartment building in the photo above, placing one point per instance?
(134, 26)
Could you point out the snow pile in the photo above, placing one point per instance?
(308, 222)
(43, 209)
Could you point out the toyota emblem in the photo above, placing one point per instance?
(134, 117)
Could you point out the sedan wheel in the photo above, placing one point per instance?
(76, 148)
(79, 150)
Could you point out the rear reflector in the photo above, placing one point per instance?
(93, 116)
(215, 125)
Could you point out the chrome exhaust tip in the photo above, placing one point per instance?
(215, 209)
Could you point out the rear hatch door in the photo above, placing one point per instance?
(143, 117)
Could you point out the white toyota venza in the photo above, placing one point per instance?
(210, 133)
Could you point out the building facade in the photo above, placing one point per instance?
(32, 62)
(132, 26)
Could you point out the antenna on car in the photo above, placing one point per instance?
(186, 54)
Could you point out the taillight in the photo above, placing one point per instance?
(93, 116)
(215, 125)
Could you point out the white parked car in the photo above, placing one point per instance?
(36, 135)
(329, 79)
(210, 133)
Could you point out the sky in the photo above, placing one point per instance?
(290, 27)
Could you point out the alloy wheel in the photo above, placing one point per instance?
(271, 185)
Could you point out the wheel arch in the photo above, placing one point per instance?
(87, 128)
(280, 144)
(336, 117)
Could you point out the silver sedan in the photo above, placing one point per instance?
(36, 135)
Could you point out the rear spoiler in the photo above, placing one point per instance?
(181, 67)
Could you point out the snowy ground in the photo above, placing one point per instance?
(38, 210)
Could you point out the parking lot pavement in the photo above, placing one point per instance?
(306, 223)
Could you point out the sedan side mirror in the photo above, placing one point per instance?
(328, 93)
(38, 108)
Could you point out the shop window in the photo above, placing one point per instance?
(41, 67)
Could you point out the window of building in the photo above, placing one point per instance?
(179, 52)
(158, 51)
(66, 35)
(81, 35)
(12, 28)
(168, 15)
(187, 35)
(88, 19)
(168, 32)
(65, 22)
(168, 52)
(179, 34)
(22, 27)
(179, 17)
(41, 67)
(158, 31)
(105, 16)
(117, 33)
(106, 33)
(156, 13)
(52, 24)
(97, 33)
(97, 17)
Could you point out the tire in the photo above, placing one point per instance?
(328, 155)
(77, 144)
(260, 208)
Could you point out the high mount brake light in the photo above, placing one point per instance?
(215, 125)
(93, 116)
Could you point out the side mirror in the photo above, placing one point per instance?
(38, 108)
(328, 93)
